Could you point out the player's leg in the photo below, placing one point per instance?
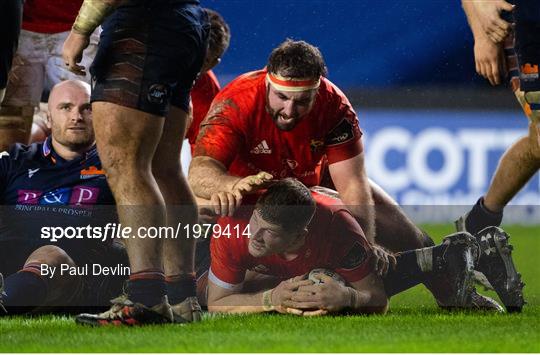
(10, 27)
(178, 253)
(34, 285)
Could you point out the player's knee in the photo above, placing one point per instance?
(50, 255)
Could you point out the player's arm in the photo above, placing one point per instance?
(488, 56)
(485, 16)
(91, 15)
(351, 181)
(233, 300)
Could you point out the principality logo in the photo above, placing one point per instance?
(261, 148)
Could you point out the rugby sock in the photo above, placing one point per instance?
(147, 287)
(26, 289)
(180, 287)
(480, 217)
(412, 268)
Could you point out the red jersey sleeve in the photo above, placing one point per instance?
(351, 249)
(226, 269)
(343, 141)
(219, 138)
(205, 89)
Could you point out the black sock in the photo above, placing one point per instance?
(181, 287)
(412, 268)
(480, 217)
(25, 290)
(147, 287)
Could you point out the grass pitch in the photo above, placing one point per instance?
(414, 324)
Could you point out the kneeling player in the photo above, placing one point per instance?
(293, 231)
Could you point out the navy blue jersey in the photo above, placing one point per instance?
(39, 188)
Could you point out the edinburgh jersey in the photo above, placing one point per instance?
(39, 188)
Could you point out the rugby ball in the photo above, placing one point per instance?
(316, 272)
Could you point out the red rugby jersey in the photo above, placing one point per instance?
(335, 241)
(50, 16)
(205, 89)
(239, 132)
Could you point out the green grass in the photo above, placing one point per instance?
(414, 324)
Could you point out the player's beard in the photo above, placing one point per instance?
(283, 122)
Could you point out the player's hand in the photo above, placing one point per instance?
(489, 60)
(283, 293)
(489, 16)
(320, 299)
(382, 260)
(252, 183)
(72, 52)
(225, 203)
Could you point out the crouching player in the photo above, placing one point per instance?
(57, 183)
(292, 231)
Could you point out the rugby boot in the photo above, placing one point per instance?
(456, 265)
(478, 218)
(187, 311)
(495, 262)
(125, 312)
(2, 294)
(485, 303)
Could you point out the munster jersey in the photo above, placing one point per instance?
(240, 133)
(50, 16)
(334, 241)
(39, 188)
(204, 90)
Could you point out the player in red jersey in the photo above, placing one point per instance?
(279, 122)
(291, 231)
(207, 85)
(38, 65)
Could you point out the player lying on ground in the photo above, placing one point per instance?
(56, 183)
(295, 230)
(280, 122)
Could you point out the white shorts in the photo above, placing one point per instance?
(38, 66)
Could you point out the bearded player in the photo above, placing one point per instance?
(149, 55)
(292, 230)
(279, 122)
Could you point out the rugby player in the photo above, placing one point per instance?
(291, 230)
(38, 65)
(56, 183)
(207, 85)
(10, 22)
(280, 122)
(150, 52)
(522, 160)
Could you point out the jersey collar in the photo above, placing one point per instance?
(49, 152)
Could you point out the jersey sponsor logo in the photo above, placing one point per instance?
(31, 172)
(77, 196)
(343, 132)
(91, 172)
(261, 148)
(354, 258)
(316, 145)
(4, 154)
